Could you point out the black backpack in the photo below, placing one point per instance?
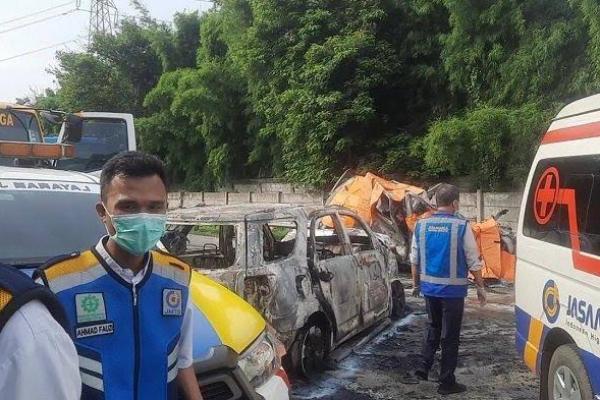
(18, 289)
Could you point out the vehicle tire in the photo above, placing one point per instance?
(567, 376)
(310, 350)
(398, 300)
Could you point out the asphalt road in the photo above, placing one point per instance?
(381, 369)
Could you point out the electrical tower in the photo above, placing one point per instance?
(104, 17)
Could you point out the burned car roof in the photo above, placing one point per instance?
(239, 213)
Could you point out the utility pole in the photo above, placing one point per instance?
(104, 17)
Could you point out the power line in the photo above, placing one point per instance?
(40, 50)
(38, 21)
(8, 21)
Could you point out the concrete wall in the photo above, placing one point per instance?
(269, 187)
(484, 205)
(194, 199)
(472, 205)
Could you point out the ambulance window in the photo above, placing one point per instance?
(590, 242)
(531, 227)
(550, 223)
(583, 185)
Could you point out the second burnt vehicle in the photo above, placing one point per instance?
(316, 281)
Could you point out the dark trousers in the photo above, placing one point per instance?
(445, 319)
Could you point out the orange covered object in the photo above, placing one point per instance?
(498, 264)
(361, 194)
(411, 220)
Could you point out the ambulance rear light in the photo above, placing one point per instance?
(36, 150)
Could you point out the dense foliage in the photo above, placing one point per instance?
(303, 89)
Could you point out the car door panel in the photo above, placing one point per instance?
(371, 269)
(337, 275)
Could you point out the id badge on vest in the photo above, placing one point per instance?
(172, 303)
(91, 316)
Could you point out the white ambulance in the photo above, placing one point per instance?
(558, 257)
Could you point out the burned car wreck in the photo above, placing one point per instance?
(317, 282)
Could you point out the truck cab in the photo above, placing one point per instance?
(103, 135)
(99, 135)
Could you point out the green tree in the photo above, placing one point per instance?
(305, 89)
(210, 100)
(117, 72)
(330, 80)
(89, 83)
(493, 145)
(169, 134)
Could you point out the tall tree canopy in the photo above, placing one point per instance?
(305, 89)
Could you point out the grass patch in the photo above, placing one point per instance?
(206, 230)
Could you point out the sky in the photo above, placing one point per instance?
(27, 74)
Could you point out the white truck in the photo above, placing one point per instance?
(96, 136)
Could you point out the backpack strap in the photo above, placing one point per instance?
(18, 289)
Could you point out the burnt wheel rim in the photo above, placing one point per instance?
(313, 351)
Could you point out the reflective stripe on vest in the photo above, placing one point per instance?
(453, 278)
(91, 373)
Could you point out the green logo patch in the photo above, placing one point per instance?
(90, 307)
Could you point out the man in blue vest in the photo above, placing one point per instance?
(442, 254)
(128, 306)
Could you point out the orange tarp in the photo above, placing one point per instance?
(498, 264)
(411, 220)
(361, 194)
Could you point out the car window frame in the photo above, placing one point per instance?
(340, 231)
(292, 253)
(363, 225)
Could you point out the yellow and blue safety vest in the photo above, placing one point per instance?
(126, 336)
(444, 271)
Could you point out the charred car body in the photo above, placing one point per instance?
(317, 282)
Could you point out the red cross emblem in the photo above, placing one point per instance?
(546, 195)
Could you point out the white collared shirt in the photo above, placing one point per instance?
(185, 358)
(38, 359)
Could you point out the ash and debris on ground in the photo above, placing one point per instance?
(382, 368)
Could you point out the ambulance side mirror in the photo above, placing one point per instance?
(73, 129)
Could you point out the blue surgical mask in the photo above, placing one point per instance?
(138, 233)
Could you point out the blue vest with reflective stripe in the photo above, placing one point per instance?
(442, 260)
(127, 342)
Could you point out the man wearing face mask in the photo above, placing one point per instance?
(128, 306)
(443, 252)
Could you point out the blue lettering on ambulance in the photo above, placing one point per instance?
(583, 312)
